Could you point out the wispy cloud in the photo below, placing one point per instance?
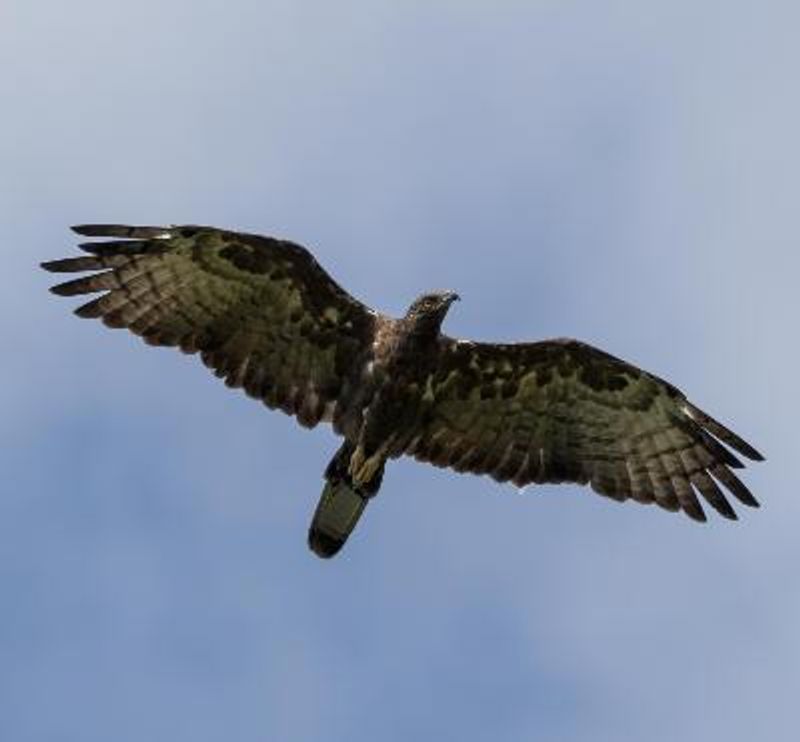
(624, 176)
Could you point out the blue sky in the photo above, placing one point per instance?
(622, 173)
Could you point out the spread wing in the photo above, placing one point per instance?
(261, 312)
(563, 411)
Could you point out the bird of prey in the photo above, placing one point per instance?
(266, 318)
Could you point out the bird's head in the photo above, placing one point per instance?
(428, 311)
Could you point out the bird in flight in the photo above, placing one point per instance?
(265, 317)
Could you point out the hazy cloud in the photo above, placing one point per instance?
(623, 175)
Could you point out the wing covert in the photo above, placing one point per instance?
(261, 312)
(563, 411)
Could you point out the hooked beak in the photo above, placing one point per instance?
(453, 296)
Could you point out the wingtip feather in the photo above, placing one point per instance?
(695, 512)
(94, 230)
(723, 433)
(117, 230)
(62, 289)
(70, 265)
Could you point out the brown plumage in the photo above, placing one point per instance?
(265, 317)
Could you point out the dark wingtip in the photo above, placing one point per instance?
(90, 310)
(72, 265)
(726, 435)
(697, 515)
(62, 289)
(734, 485)
(118, 230)
(748, 451)
(92, 230)
(724, 509)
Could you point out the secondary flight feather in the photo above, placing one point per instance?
(266, 317)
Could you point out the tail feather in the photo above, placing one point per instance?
(337, 514)
(341, 505)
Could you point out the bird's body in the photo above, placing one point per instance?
(385, 416)
(266, 317)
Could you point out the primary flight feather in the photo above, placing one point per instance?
(266, 317)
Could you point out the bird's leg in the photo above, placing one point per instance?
(366, 471)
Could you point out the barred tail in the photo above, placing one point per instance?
(340, 505)
(337, 514)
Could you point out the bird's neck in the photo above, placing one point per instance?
(424, 330)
